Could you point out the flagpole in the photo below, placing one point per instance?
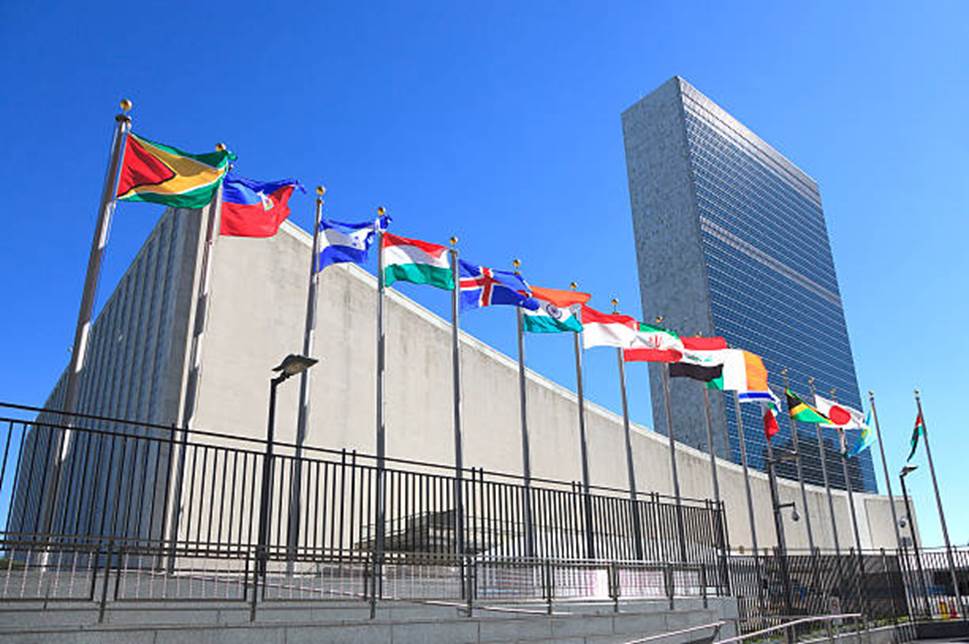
(713, 454)
(824, 474)
(526, 450)
(938, 503)
(681, 531)
(630, 465)
(590, 550)
(82, 329)
(376, 582)
(750, 497)
(848, 486)
(302, 421)
(800, 473)
(456, 387)
(888, 481)
(202, 306)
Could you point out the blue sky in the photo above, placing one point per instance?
(499, 122)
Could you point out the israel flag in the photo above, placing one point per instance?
(342, 242)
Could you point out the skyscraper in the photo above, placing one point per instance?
(731, 240)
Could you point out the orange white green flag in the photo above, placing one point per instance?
(558, 311)
(159, 173)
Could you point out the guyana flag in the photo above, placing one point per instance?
(800, 410)
(159, 173)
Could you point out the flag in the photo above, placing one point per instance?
(800, 410)
(918, 431)
(770, 420)
(254, 208)
(656, 344)
(701, 358)
(341, 242)
(557, 312)
(865, 439)
(420, 262)
(161, 174)
(841, 416)
(607, 329)
(745, 373)
(483, 286)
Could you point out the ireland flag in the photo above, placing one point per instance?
(413, 260)
(558, 311)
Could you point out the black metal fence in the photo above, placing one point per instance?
(168, 514)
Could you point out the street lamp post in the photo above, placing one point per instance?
(908, 469)
(292, 365)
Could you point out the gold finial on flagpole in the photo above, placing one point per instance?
(573, 285)
(517, 264)
(126, 105)
(917, 393)
(784, 371)
(833, 391)
(615, 304)
(659, 319)
(454, 240)
(381, 211)
(220, 147)
(320, 190)
(811, 381)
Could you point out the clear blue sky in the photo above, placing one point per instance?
(499, 122)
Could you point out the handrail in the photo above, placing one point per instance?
(786, 625)
(715, 625)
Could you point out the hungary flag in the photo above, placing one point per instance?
(557, 311)
(159, 173)
(413, 260)
(800, 410)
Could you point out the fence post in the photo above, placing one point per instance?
(104, 585)
(670, 589)
(255, 584)
(471, 572)
(549, 584)
(703, 585)
(614, 586)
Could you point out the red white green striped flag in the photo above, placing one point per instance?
(416, 261)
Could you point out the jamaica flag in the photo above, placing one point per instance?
(800, 410)
(165, 175)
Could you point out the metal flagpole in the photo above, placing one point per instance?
(713, 453)
(848, 486)
(750, 497)
(938, 503)
(456, 384)
(630, 465)
(888, 481)
(304, 381)
(376, 589)
(827, 482)
(526, 450)
(800, 473)
(590, 549)
(82, 329)
(681, 531)
(202, 306)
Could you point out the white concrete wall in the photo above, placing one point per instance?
(256, 317)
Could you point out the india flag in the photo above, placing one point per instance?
(413, 260)
(558, 311)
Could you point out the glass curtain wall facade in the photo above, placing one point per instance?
(747, 256)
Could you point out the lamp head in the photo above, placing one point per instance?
(908, 469)
(294, 364)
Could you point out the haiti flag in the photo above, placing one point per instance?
(255, 208)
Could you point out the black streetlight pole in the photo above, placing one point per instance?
(292, 365)
(908, 469)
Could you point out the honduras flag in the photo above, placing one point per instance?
(341, 242)
(482, 286)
